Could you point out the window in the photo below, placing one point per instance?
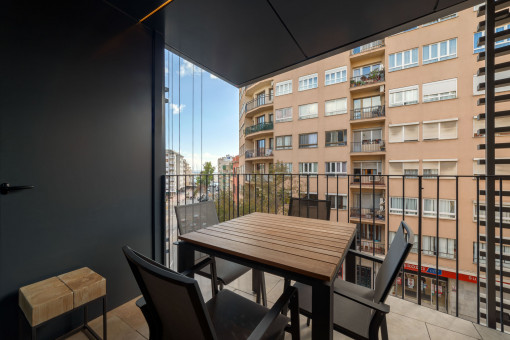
(404, 167)
(446, 208)
(284, 87)
(283, 115)
(283, 142)
(414, 249)
(403, 133)
(499, 122)
(446, 129)
(506, 251)
(404, 96)
(411, 206)
(440, 90)
(335, 106)
(500, 43)
(308, 111)
(402, 60)
(308, 168)
(506, 214)
(336, 75)
(447, 247)
(288, 166)
(337, 201)
(308, 140)
(365, 70)
(501, 169)
(432, 168)
(366, 232)
(497, 76)
(443, 50)
(307, 82)
(336, 138)
(336, 168)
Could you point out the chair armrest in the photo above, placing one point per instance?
(365, 256)
(270, 317)
(198, 266)
(380, 307)
(140, 303)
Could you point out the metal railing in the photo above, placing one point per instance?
(375, 145)
(371, 78)
(258, 127)
(439, 272)
(377, 180)
(368, 47)
(260, 152)
(259, 101)
(368, 112)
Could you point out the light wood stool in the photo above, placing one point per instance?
(45, 300)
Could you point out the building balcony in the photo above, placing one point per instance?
(260, 153)
(257, 105)
(258, 129)
(367, 180)
(250, 90)
(367, 81)
(368, 49)
(368, 146)
(368, 113)
(367, 214)
(369, 246)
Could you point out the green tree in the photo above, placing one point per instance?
(206, 176)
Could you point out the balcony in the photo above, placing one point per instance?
(257, 105)
(371, 180)
(367, 214)
(369, 246)
(258, 128)
(364, 81)
(364, 49)
(368, 146)
(259, 153)
(368, 113)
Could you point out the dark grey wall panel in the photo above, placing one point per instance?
(77, 119)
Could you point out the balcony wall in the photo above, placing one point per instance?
(77, 124)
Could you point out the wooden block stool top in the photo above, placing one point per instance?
(86, 285)
(44, 300)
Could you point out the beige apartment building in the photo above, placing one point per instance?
(405, 105)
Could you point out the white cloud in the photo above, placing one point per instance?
(187, 69)
(212, 76)
(176, 109)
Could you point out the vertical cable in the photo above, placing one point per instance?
(201, 108)
(192, 118)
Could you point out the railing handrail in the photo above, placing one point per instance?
(258, 127)
(371, 78)
(368, 47)
(259, 101)
(260, 152)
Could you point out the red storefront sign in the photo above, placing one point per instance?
(442, 273)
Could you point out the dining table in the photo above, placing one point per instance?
(305, 250)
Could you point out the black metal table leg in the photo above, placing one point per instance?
(185, 257)
(322, 306)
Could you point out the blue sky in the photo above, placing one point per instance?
(220, 112)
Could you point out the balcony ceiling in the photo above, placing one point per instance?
(249, 40)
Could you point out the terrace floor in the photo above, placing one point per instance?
(405, 321)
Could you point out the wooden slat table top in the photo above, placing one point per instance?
(310, 247)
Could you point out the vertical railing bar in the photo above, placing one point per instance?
(373, 229)
(299, 192)
(457, 245)
(238, 184)
(420, 222)
(307, 195)
(244, 196)
(501, 320)
(387, 207)
(275, 194)
(283, 193)
(358, 231)
(336, 198)
(317, 180)
(348, 199)
(268, 194)
(437, 245)
(478, 249)
(402, 283)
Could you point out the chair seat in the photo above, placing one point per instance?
(348, 316)
(235, 317)
(227, 271)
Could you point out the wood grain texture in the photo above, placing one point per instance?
(86, 285)
(44, 300)
(310, 247)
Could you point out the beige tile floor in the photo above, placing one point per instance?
(405, 321)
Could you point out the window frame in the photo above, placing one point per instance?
(442, 214)
(280, 88)
(285, 146)
(403, 90)
(310, 166)
(403, 65)
(334, 202)
(337, 143)
(343, 165)
(308, 146)
(308, 82)
(408, 212)
(334, 113)
(403, 126)
(308, 116)
(439, 58)
(439, 96)
(342, 70)
(285, 119)
(439, 122)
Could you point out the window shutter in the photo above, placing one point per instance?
(330, 106)
(396, 168)
(430, 165)
(430, 131)
(411, 165)
(411, 132)
(479, 169)
(448, 130)
(395, 134)
(440, 87)
(479, 124)
(448, 168)
(502, 169)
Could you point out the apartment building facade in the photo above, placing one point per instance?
(405, 105)
(175, 164)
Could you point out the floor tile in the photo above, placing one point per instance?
(491, 334)
(439, 333)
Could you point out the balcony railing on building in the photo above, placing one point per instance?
(369, 246)
(260, 152)
(369, 180)
(259, 101)
(368, 213)
(368, 112)
(368, 47)
(373, 77)
(374, 145)
(258, 127)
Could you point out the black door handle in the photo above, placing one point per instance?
(5, 188)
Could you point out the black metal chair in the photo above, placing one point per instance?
(192, 217)
(175, 309)
(304, 207)
(359, 312)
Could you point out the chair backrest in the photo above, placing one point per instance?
(191, 217)
(173, 300)
(304, 207)
(397, 254)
